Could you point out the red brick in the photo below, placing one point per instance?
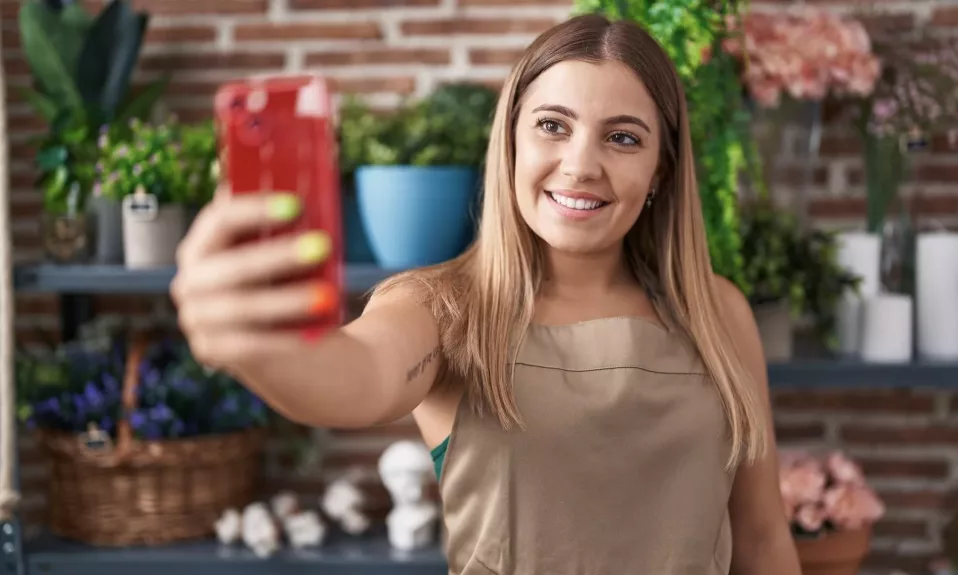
(356, 4)
(945, 16)
(308, 31)
(890, 23)
(123, 304)
(194, 7)
(865, 434)
(515, 2)
(853, 401)
(887, 561)
(850, 207)
(799, 431)
(922, 499)
(901, 528)
(947, 173)
(837, 146)
(379, 56)
(177, 34)
(905, 468)
(234, 61)
(494, 56)
(37, 304)
(442, 27)
(796, 175)
(400, 85)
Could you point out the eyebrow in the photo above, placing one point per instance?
(569, 112)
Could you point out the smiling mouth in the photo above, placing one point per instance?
(581, 204)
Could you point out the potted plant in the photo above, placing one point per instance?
(160, 174)
(189, 441)
(81, 68)
(790, 271)
(417, 172)
(831, 510)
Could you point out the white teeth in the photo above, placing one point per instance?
(576, 204)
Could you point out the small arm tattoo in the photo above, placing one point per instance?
(416, 370)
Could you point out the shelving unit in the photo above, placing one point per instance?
(363, 556)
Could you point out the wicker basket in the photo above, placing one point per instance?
(146, 492)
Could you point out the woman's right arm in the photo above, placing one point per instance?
(374, 370)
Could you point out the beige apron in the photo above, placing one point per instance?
(620, 470)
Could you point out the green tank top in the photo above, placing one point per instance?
(439, 456)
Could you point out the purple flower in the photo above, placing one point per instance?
(93, 396)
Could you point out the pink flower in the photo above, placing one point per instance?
(844, 470)
(803, 482)
(810, 517)
(852, 506)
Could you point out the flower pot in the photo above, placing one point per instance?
(936, 296)
(108, 217)
(416, 216)
(151, 232)
(66, 238)
(774, 321)
(357, 242)
(835, 553)
(860, 254)
(887, 329)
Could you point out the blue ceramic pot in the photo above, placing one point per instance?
(417, 216)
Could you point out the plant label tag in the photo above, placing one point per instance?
(141, 206)
(95, 439)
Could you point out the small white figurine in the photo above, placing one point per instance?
(228, 527)
(259, 530)
(283, 505)
(343, 501)
(304, 529)
(406, 468)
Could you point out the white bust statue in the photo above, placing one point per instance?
(405, 468)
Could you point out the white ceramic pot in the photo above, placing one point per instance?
(151, 232)
(887, 329)
(936, 295)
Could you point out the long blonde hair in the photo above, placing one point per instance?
(484, 299)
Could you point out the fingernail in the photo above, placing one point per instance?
(283, 207)
(313, 247)
(312, 334)
(324, 299)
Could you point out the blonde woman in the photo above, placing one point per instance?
(595, 397)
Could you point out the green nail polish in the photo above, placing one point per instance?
(284, 207)
(313, 247)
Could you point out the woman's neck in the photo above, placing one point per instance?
(574, 276)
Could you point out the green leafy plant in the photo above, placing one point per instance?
(783, 261)
(449, 127)
(692, 32)
(82, 68)
(175, 162)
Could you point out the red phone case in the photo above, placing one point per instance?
(277, 134)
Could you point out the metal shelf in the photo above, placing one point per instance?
(850, 374)
(340, 556)
(116, 279)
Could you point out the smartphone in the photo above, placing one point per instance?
(277, 134)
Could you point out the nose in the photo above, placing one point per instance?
(580, 161)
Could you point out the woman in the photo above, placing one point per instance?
(595, 397)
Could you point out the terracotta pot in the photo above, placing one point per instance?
(837, 553)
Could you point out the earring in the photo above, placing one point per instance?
(648, 199)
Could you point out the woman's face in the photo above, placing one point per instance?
(587, 151)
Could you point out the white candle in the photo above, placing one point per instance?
(887, 329)
(860, 254)
(936, 292)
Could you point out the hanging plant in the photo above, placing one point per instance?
(691, 32)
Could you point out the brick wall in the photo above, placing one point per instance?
(387, 49)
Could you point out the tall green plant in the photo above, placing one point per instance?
(82, 68)
(689, 30)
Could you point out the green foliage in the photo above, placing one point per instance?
(175, 162)
(785, 261)
(719, 123)
(82, 68)
(450, 127)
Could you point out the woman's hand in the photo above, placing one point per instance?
(228, 309)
